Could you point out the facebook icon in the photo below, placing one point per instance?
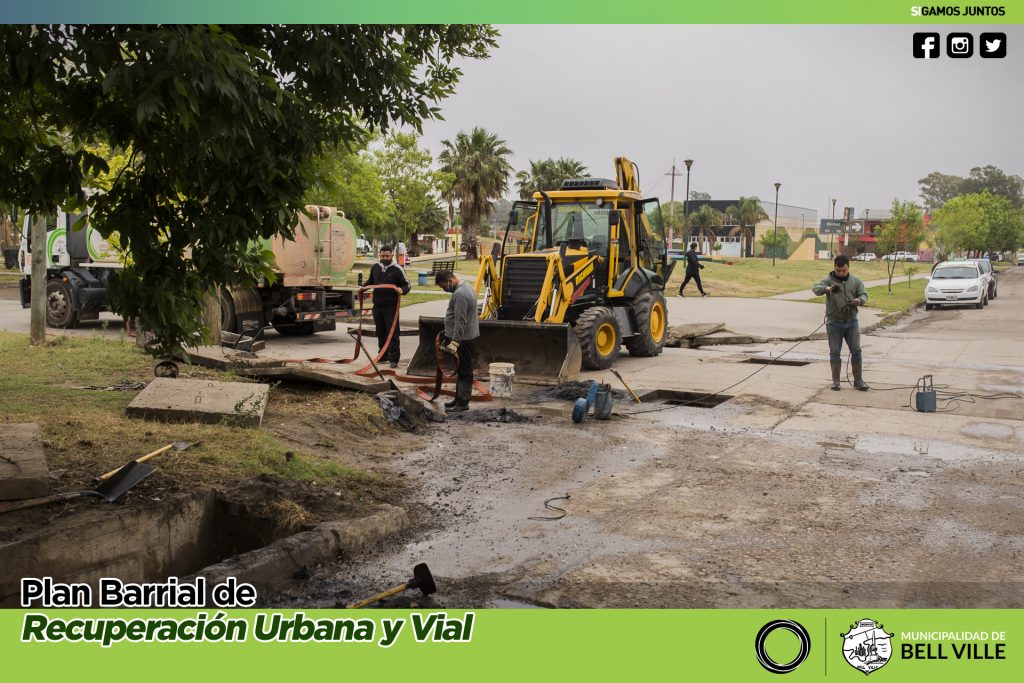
(926, 45)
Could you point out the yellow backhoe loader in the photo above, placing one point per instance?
(580, 271)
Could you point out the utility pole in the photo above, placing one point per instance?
(831, 236)
(38, 282)
(672, 205)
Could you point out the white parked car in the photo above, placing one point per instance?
(901, 256)
(1020, 258)
(955, 283)
(866, 256)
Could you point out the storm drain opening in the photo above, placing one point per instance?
(776, 361)
(695, 399)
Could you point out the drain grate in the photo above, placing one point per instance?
(779, 361)
(695, 399)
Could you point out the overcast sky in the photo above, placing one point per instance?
(828, 111)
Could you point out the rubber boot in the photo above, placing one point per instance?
(858, 377)
(463, 393)
(837, 369)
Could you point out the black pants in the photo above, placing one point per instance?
(383, 315)
(467, 356)
(695, 276)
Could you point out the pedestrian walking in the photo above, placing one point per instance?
(461, 329)
(402, 253)
(386, 303)
(844, 295)
(693, 268)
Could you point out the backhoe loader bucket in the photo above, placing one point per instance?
(543, 353)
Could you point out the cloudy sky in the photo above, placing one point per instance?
(828, 111)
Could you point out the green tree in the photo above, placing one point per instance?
(410, 183)
(548, 174)
(350, 181)
(703, 221)
(775, 243)
(939, 188)
(478, 160)
(747, 212)
(903, 231)
(224, 124)
(978, 223)
(697, 194)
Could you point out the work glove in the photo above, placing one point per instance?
(451, 348)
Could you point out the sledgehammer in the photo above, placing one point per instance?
(421, 578)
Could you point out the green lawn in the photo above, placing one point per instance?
(902, 296)
(9, 278)
(755, 277)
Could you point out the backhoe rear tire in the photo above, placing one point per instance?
(651, 316)
(599, 336)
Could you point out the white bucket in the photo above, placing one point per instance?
(501, 375)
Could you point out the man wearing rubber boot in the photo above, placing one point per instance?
(385, 304)
(461, 329)
(844, 294)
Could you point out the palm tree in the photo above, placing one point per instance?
(748, 212)
(548, 174)
(704, 220)
(479, 162)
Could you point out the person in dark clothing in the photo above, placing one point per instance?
(461, 329)
(693, 268)
(385, 303)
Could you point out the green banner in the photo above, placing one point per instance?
(456, 645)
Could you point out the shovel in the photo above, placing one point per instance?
(111, 489)
(422, 579)
(177, 445)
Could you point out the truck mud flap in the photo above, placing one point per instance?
(542, 353)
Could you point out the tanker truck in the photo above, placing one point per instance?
(307, 296)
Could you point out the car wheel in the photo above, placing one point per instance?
(980, 304)
(928, 307)
(995, 291)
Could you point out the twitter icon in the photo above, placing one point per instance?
(993, 45)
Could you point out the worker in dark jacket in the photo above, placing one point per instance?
(461, 329)
(844, 295)
(693, 268)
(385, 303)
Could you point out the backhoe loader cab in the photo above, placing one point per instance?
(580, 271)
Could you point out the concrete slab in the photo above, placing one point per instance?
(322, 374)
(680, 333)
(23, 470)
(172, 400)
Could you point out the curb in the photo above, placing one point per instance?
(283, 558)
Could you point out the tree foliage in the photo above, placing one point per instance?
(478, 160)
(903, 231)
(548, 174)
(412, 187)
(224, 125)
(747, 212)
(939, 188)
(704, 220)
(978, 223)
(350, 181)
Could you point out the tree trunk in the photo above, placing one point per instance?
(38, 244)
(469, 234)
(211, 318)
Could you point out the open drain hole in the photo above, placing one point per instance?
(776, 361)
(673, 397)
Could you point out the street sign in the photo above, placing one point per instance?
(831, 226)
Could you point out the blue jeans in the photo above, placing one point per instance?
(837, 332)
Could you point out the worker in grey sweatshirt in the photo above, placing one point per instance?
(844, 295)
(461, 329)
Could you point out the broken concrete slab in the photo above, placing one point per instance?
(172, 400)
(719, 338)
(680, 333)
(23, 470)
(321, 375)
(220, 358)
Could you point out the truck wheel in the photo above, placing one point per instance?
(599, 336)
(60, 309)
(651, 317)
(293, 329)
(228, 320)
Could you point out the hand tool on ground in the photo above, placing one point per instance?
(421, 579)
(358, 336)
(111, 489)
(631, 392)
(177, 445)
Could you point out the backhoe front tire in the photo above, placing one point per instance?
(599, 336)
(651, 316)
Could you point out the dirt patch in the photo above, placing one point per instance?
(496, 415)
(570, 391)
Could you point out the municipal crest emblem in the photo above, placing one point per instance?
(866, 646)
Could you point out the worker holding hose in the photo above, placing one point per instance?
(844, 295)
(461, 329)
(385, 304)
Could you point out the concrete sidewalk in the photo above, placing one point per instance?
(807, 294)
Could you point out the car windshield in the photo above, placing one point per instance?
(955, 273)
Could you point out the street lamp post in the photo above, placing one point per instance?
(832, 236)
(775, 232)
(686, 202)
